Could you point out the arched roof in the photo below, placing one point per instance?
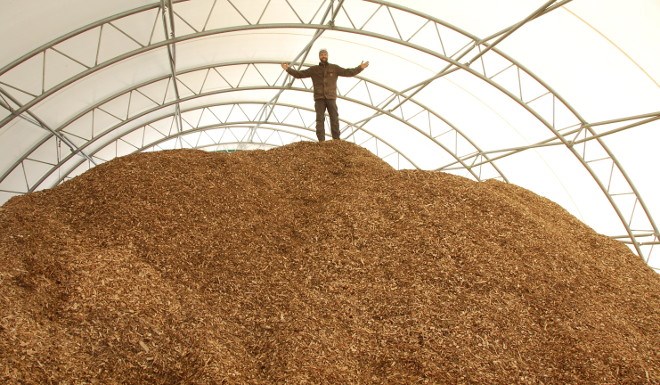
(560, 97)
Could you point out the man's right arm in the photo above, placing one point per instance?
(295, 73)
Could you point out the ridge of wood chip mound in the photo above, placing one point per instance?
(313, 263)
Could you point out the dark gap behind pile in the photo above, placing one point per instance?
(313, 263)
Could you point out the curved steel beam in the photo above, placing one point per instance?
(367, 82)
(467, 167)
(114, 128)
(227, 125)
(43, 125)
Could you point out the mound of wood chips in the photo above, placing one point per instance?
(313, 263)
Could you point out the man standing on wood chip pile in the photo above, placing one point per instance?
(324, 77)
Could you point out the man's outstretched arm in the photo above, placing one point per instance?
(295, 73)
(353, 71)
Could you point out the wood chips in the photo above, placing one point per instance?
(313, 263)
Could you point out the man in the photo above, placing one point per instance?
(324, 78)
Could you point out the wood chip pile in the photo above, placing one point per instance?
(313, 264)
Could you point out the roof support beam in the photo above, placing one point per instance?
(32, 118)
(555, 141)
(168, 26)
(451, 67)
(444, 144)
(246, 123)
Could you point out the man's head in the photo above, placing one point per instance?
(323, 55)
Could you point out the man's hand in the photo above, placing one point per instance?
(364, 64)
(285, 66)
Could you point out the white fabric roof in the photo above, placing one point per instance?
(560, 97)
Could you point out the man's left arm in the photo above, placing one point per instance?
(352, 71)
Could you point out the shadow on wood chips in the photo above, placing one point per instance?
(313, 264)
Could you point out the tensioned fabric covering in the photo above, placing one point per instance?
(559, 97)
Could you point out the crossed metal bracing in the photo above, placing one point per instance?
(82, 140)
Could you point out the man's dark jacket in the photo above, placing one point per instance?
(324, 78)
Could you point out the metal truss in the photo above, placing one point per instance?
(167, 13)
(141, 100)
(235, 123)
(375, 19)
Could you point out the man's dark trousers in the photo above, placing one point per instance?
(320, 105)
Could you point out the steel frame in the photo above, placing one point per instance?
(225, 123)
(449, 133)
(574, 137)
